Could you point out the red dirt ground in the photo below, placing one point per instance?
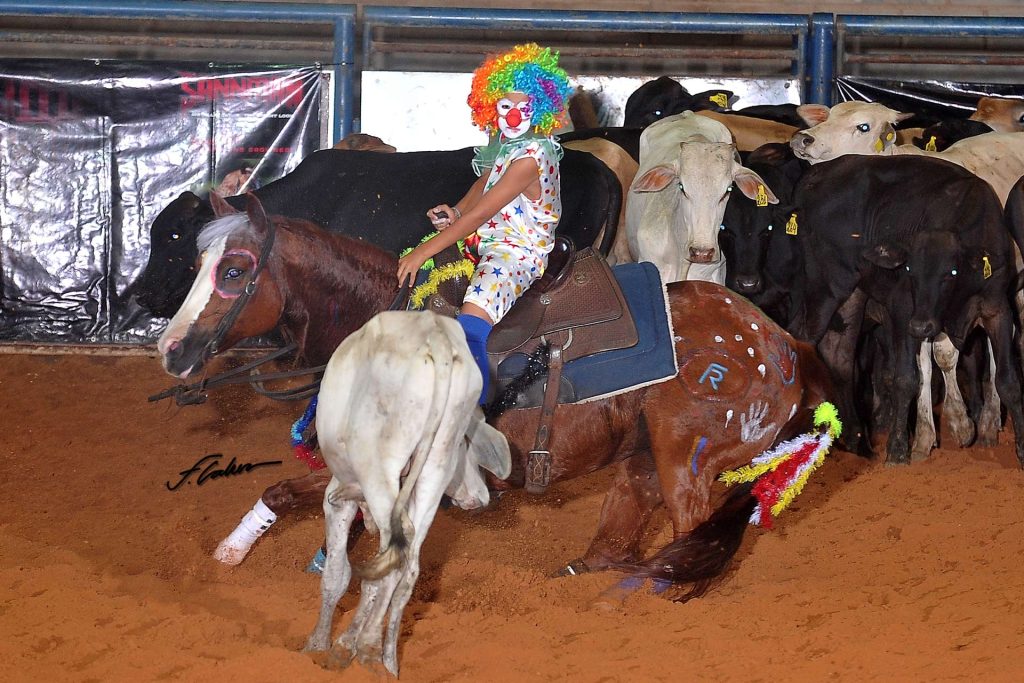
(877, 574)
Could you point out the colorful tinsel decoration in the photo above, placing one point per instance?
(449, 271)
(529, 69)
(782, 472)
(300, 443)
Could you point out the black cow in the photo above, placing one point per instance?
(763, 262)
(381, 198)
(926, 240)
(938, 136)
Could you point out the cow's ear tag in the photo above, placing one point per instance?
(721, 99)
(879, 145)
(986, 267)
(890, 136)
(791, 226)
(930, 145)
(762, 197)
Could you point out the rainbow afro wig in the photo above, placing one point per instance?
(529, 69)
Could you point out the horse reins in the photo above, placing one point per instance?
(195, 393)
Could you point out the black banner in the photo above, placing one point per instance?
(931, 101)
(90, 152)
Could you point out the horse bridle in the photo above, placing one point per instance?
(195, 393)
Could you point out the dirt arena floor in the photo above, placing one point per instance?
(877, 574)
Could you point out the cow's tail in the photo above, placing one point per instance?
(394, 555)
(612, 212)
(699, 559)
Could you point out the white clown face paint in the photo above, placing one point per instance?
(514, 114)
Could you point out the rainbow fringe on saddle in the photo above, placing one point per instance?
(782, 472)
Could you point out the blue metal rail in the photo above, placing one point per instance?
(618, 22)
(342, 17)
(819, 38)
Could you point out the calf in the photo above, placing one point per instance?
(398, 427)
(869, 128)
(1001, 114)
(687, 168)
(926, 240)
(940, 136)
(763, 259)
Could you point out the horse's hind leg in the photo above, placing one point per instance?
(338, 516)
(627, 508)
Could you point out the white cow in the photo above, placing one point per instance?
(869, 128)
(675, 207)
(398, 399)
(998, 158)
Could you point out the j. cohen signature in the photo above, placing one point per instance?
(208, 468)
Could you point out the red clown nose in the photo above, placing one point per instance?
(514, 118)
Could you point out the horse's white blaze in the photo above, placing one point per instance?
(197, 300)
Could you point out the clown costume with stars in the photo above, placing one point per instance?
(511, 212)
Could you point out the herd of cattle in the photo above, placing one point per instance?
(798, 208)
(883, 263)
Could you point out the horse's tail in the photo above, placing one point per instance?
(700, 558)
(394, 554)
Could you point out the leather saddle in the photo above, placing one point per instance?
(576, 308)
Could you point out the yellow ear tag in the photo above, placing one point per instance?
(930, 145)
(791, 226)
(986, 269)
(762, 197)
(890, 136)
(879, 145)
(721, 99)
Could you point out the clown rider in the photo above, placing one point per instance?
(518, 98)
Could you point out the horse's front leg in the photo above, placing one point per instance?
(302, 493)
(627, 508)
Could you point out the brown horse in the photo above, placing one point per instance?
(743, 384)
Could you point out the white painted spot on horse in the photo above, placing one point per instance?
(738, 337)
(719, 339)
(761, 369)
(754, 326)
(792, 412)
(750, 351)
(728, 417)
(751, 428)
(728, 300)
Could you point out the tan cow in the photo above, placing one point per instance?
(1002, 114)
(749, 133)
(624, 168)
(363, 142)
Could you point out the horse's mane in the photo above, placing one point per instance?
(225, 226)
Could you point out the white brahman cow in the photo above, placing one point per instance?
(688, 164)
(398, 427)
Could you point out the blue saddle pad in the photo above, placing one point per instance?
(652, 359)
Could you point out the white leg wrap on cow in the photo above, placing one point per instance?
(924, 432)
(991, 420)
(953, 408)
(233, 549)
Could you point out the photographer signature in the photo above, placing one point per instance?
(207, 466)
